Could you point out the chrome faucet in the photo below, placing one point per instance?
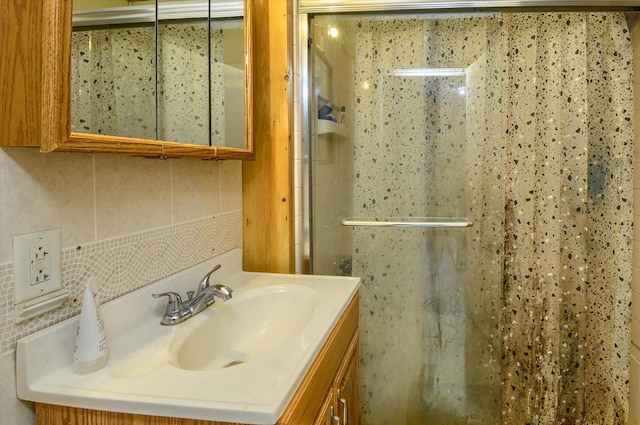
(178, 311)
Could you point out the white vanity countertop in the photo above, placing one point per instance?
(143, 375)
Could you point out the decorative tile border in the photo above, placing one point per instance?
(122, 265)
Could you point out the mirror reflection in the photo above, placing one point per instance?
(171, 71)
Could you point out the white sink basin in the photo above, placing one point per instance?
(255, 323)
(238, 361)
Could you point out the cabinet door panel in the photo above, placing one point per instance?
(324, 414)
(347, 386)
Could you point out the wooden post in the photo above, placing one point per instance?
(268, 207)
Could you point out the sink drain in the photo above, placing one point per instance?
(235, 363)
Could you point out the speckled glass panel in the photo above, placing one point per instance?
(114, 81)
(429, 345)
(183, 83)
(122, 265)
(523, 318)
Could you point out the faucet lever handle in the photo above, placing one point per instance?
(174, 307)
(204, 283)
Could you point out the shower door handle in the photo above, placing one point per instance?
(435, 222)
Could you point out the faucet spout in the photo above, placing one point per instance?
(178, 311)
(206, 297)
(222, 291)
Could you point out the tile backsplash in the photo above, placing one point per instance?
(122, 265)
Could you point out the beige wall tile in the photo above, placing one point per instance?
(44, 191)
(132, 194)
(230, 186)
(195, 188)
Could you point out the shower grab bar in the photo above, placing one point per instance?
(437, 222)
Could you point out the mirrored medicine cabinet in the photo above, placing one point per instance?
(153, 78)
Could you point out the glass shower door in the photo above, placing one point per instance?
(403, 109)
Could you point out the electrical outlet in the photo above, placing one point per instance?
(40, 262)
(37, 261)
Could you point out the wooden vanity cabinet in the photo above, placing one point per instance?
(334, 371)
(340, 406)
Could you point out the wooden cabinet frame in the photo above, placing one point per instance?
(35, 88)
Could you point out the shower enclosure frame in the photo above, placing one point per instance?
(308, 8)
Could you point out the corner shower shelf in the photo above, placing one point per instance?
(326, 127)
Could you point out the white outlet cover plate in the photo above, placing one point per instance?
(22, 245)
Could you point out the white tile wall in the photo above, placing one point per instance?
(298, 118)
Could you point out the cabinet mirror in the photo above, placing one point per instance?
(157, 78)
